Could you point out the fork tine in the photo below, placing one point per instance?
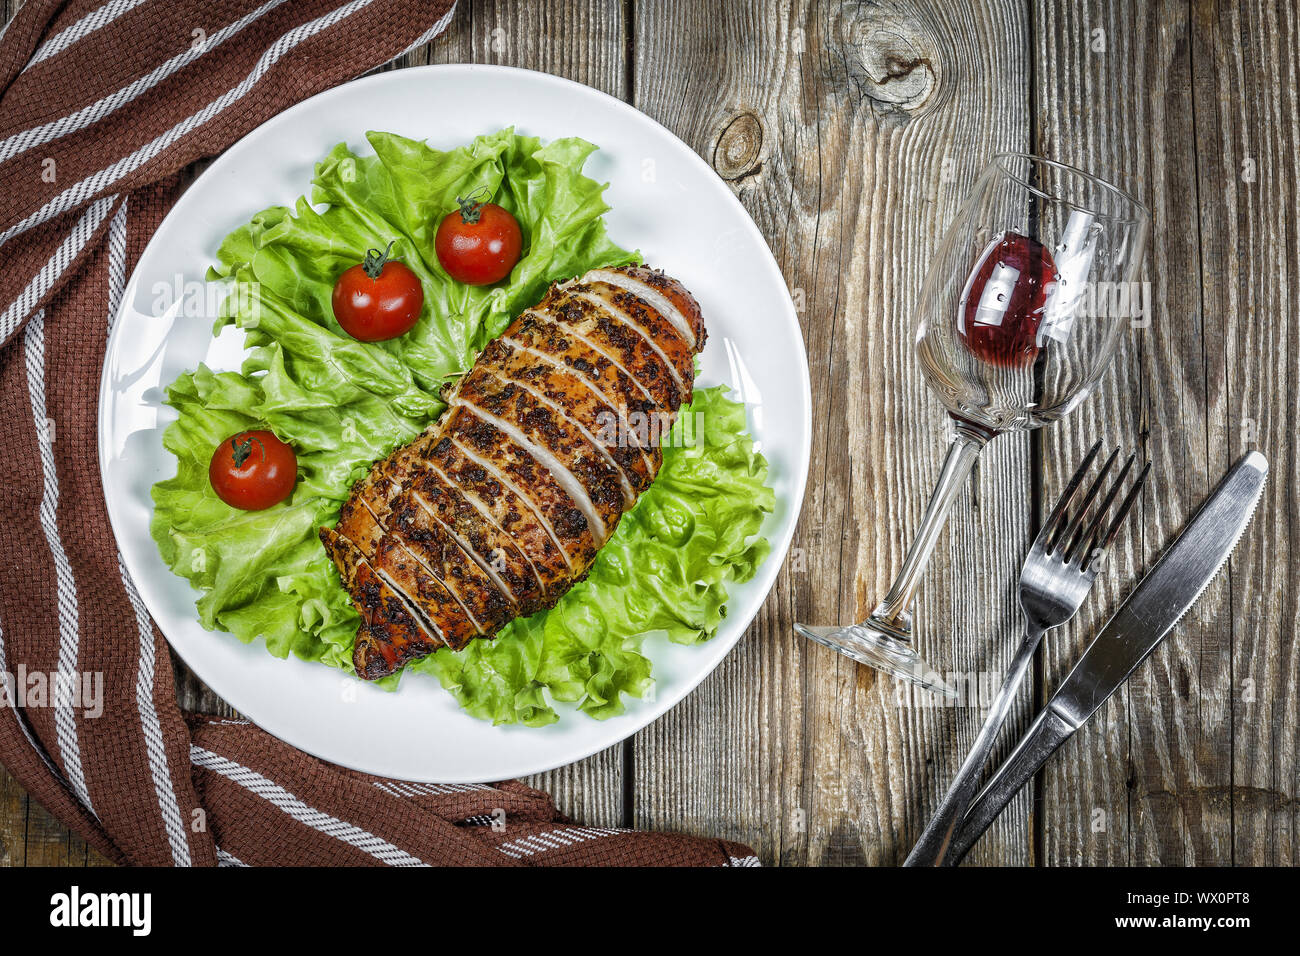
(1129, 500)
(1086, 538)
(1047, 532)
(1070, 536)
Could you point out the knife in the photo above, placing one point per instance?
(1158, 603)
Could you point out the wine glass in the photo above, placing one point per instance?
(1021, 312)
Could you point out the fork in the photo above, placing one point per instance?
(1057, 575)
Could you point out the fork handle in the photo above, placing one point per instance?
(932, 848)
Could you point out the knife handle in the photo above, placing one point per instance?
(1045, 735)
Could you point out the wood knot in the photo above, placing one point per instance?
(895, 65)
(737, 153)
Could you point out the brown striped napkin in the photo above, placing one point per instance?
(102, 106)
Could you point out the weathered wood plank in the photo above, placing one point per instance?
(873, 121)
(1147, 780)
(30, 836)
(1245, 61)
(13, 821)
(1084, 54)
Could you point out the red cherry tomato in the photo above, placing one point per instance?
(253, 470)
(479, 243)
(377, 299)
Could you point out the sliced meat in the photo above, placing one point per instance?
(566, 448)
(603, 333)
(404, 571)
(413, 478)
(667, 296)
(452, 561)
(634, 314)
(391, 635)
(548, 344)
(511, 508)
(561, 388)
(416, 581)
(513, 463)
(440, 504)
(501, 506)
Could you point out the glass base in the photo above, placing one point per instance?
(875, 648)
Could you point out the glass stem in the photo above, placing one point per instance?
(894, 614)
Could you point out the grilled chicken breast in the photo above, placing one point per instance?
(500, 506)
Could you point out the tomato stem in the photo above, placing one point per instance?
(375, 260)
(470, 208)
(240, 450)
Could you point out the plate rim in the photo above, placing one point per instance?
(768, 571)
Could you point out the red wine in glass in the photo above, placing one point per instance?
(1002, 306)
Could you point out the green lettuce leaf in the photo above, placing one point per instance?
(343, 404)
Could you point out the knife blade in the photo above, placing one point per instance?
(1156, 605)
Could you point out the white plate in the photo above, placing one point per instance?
(666, 201)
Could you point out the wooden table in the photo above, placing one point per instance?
(850, 131)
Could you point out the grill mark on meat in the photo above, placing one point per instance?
(576, 354)
(569, 330)
(468, 548)
(434, 588)
(481, 507)
(563, 513)
(391, 632)
(519, 516)
(515, 490)
(629, 493)
(650, 294)
(565, 387)
(359, 524)
(369, 524)
(620, 409)
(413, 473)
(485, 536)
(632, 312)
(567, 479)
(554, 433)
(452, 563)
(412, 607)
(619, 341)
(427, 595)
